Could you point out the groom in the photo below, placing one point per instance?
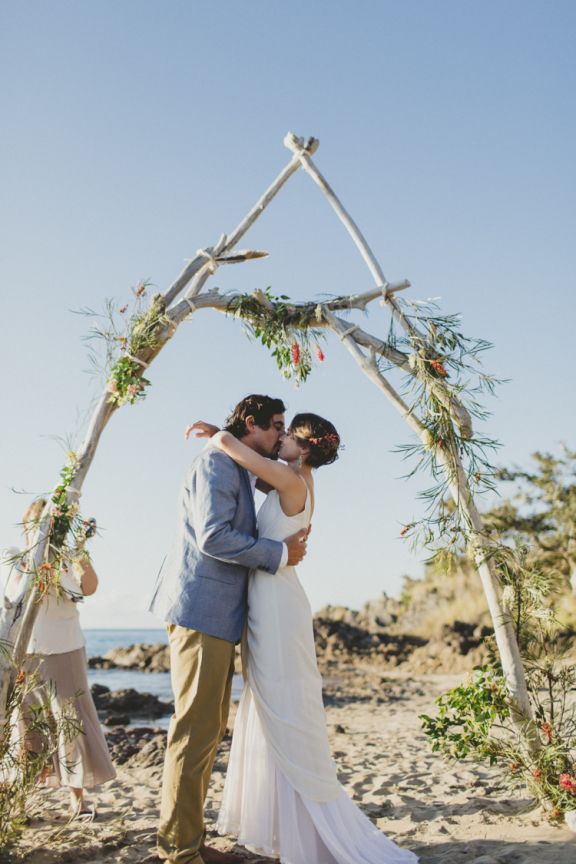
(202, 597)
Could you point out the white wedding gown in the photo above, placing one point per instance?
(282, 796)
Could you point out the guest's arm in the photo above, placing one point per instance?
(89, 580)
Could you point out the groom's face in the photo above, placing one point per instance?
(267, 441)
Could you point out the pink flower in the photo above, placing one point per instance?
(132, 390)
(112, 387)
(567, 782)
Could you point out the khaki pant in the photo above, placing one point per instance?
(201, 667)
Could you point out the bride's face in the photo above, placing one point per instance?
(290, 449)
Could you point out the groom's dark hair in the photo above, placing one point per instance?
(261, 408)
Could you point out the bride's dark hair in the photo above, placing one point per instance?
(319, 436)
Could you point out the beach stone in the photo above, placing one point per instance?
(129, 702)
(117, 720)
(570, 819)
(137, 745)
(144, 657)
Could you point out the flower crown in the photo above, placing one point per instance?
(330, 439)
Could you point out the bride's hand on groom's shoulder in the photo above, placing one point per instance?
(201, 430)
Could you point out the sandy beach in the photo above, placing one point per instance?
(450, 813)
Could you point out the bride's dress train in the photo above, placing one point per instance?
(282, 796)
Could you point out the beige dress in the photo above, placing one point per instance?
(56, 654)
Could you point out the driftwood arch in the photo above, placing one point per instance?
(186, 296)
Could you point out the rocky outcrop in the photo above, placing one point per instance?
(145, 658)
(137, 746)
(338, 639)
(379, 633)
(118, 707)
(458, 647)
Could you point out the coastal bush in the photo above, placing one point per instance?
(27, 750)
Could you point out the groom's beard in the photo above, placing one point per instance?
(276, 451)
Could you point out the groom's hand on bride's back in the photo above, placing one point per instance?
(296, 545)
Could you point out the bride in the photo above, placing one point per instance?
(282, 796)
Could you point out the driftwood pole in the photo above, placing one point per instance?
(18, 630)
(458, 483)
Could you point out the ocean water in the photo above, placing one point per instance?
(99, 642)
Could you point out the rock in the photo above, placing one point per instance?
(570, 819)
(145, 657)
(100, 663)
(337, 638)
(137, 745)
(117, 720)
(129, 702)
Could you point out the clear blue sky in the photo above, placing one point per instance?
(136, 132)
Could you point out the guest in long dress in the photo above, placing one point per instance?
(57, 655)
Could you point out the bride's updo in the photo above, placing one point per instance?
(317, 435)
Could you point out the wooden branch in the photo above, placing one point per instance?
(504, 632)
(348, 337)
(459, 413)
(460, 490)
(232, 239)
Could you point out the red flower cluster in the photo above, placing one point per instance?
(439, 368)
(295, 353)
(405, 530)
(319, 354)
(567, 783)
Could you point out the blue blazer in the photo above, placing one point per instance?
(203, 581)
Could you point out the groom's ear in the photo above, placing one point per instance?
(249, 423)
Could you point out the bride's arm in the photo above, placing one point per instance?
(275, 474)
(271, 475)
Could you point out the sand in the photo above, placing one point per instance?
(449, 813)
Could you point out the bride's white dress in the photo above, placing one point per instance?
(282, 796)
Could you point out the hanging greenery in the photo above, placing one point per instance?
(283, 328)
(128, 333)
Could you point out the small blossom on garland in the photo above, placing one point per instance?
(439, 368)
(567, 783)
